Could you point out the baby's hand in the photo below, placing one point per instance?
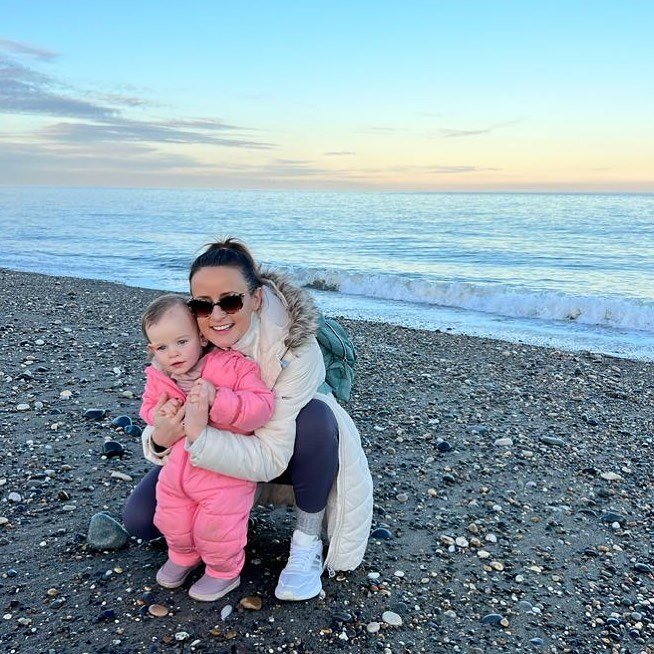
(169, 409)
(209, 388)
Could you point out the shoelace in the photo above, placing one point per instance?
(301, 558)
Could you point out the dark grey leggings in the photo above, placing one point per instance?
(311, 471)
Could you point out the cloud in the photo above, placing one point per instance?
(459, 133)
(342, 153)
(24, 90)
(124, 130)
(28, 50)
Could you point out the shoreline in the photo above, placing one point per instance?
(512, 481)
(633, 345)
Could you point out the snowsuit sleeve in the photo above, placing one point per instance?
(157, 383)
(243, 402)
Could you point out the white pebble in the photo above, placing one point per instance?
(389, 617)
(503, 442)
(373, 627)
(226, 611)
(115, 474)
(399, 573)
(23, 407)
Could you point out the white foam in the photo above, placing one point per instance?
(501, 300)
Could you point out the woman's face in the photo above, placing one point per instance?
(214, 282)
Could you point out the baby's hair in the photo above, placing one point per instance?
(229, 252)
(157, 308)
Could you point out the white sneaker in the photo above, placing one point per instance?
(300, 579)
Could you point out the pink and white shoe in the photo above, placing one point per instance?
(171, 575)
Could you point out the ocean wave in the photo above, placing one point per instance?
(604, 311)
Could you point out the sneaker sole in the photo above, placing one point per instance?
(289, 596)
(215, 596)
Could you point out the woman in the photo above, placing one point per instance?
(310, 446)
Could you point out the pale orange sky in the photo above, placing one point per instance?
(419, 96)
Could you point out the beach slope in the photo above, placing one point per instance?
(514, 503)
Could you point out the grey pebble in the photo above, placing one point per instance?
(105, 533)
(552, 440)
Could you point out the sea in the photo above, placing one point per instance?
(570, 271)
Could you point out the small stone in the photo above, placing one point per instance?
(105, 533)
(226, 611)
(611, 476)
(182, 635)
(443, 446)
(552, 440)
(23, 407)
(95, 414)
(157, 610)
(381, 534)
(373, 627)
(112, 448)
(538, 642)
(116, 474)
(494, 619)
(4, 521)
(66, 395)
(483, 554)
(134, 430)
(503, 442)
(373, 575)
(15, 497)
(462, 541)
(107, 615)
(643, 567)
(496, 565)
(399, 573)
(613, 516)
(121, 421)
(391, 618)
(402, 497)
(252, 603)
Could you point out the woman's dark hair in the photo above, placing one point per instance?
(230, 252)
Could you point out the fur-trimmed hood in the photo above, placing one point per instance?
(301, 307)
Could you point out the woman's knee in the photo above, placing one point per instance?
(138, 512)
(316, 430)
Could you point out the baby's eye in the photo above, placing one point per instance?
(160, 348)
(182, 341)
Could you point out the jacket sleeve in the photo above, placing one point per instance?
(249, 404)
(265, 455)
(150, 396)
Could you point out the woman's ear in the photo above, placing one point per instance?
(257, 298)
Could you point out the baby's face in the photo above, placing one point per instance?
(175, 341)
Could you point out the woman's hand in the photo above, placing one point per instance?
(197, 410)
(168, 422)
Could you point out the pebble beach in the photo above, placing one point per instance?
(514, 497)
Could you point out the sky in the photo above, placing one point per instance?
(465, 95)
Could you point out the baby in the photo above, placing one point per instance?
(202, 514)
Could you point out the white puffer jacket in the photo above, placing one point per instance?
(281, 339)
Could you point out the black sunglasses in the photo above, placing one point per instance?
(228, 303)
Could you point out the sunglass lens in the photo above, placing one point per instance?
(200, 307)
(231, 303)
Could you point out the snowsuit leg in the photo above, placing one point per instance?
(221, 521)
(176, 509)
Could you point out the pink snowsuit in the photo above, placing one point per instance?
(204, 514)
